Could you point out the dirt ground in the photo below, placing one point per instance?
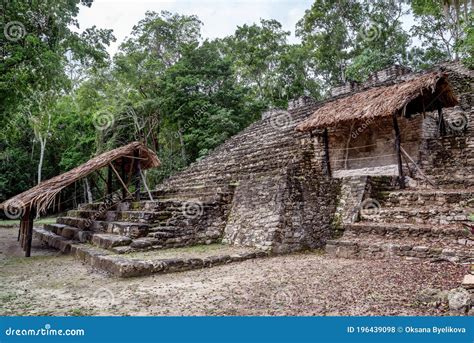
(300, 284)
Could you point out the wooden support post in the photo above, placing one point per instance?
(137, 174)
(125, 189)
(123, 177)
(23, 228)
(441, 123)
(28, 216)
(20, 232)
(401, 178)
(109, 180)
(146, 186)
(326, 151)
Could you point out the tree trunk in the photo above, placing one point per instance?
(42, 150)
(181, 142)
(88, 191)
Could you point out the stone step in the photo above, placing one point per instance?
(184, 194)
(69, 232)
(53, 240)
(108, 241)
(134, 205)
(114, 262)
(178, 232)
(450, 234)
(420, 215)
(54, 228)
(263, 163)
(129, 216)
(397, 248)
(163, 228)
(117, 265)
(131, 229)
(152, 205)
(442, 197)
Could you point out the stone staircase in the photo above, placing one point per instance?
(144, 224)
(412, 224)
(95, 231)
(188, 209)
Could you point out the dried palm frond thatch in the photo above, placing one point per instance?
(42, 195)
(423, 93)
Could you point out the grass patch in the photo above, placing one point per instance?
(203, 248)
(195, 251)
(16, 222)
(79, 312)
(7, 297)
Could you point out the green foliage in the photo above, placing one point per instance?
(466, 45)
(180, 95)
(328, 30)
(443, 28)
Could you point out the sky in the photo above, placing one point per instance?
(220, 17)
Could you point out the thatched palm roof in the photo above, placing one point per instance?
(423, 93)
(42, 195)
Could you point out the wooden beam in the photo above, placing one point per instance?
(441, 122)
(109, 180)
(145, 185)
(137, 176)
(418, 168)
(326, 151)
(401, 178)
(23, 228)
(122, 172)
(29, 215)
(120, 179)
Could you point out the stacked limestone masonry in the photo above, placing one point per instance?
(423, 221)
(265, 190)
(249, 192)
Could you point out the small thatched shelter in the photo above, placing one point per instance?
(130, 158)
(361, 133)
(420, 94)
(42, 195)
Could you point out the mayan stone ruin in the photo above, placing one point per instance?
(273, 189)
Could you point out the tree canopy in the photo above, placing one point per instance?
(63, 99)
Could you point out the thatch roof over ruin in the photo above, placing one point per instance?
(419, 94)
(41, 196)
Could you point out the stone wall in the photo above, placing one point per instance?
(282, 199)
(370, 146)
(352, 193)
(255, 215)
(286, 211)
(449, 160)
(309, 204)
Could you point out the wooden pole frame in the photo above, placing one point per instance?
(109, 180)
(137, 176)
(326, 151)
(401, 178)
(29, 231)
(26, 230)
(120, 179)
(441, 122)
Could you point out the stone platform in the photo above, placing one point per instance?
(148, 262)
(410, 224)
